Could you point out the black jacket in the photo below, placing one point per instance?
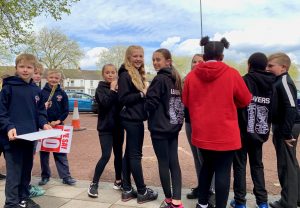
(20, 108)
(130, 98)
(59, 109)
(108, 108)
(255, 119)
(164, 106)
(285, 105)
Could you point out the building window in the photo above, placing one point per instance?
(72, 83)
(91, 82)
(81, 83)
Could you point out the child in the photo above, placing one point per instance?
(38, 72)
(132, 88)
(212, 93)
(285, 127)
(165, 110)
(197, 58)
(21, 112)
(255, 123)
(57, 111)
(111, 136)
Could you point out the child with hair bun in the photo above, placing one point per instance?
(212, 93)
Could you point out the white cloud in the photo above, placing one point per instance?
(90, 58)
(249, 25)
(170, 42)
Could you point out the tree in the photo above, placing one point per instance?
(55, 49)
(17, 16)
(182, 64)
(5, 56)
(114, 55)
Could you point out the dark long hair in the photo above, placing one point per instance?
(167, 55)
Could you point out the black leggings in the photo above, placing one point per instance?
(132, 160)
(219, 163)
(109, 141)
(166, 151)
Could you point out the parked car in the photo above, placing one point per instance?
(86, 102)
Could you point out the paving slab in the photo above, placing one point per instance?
(85, 204)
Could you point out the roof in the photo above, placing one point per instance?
(69, 73)
(7, 70)
(81, 74)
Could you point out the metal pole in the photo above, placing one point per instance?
(201, 24)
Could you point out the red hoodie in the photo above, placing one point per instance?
(212, 93)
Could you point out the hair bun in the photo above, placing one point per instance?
(225, 43)
(204, 41)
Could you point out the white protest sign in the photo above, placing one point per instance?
(61, 144)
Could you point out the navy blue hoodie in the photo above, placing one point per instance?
(20, 108)
(59, 109)
(164, 106)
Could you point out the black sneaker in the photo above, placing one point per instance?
(193, 194)
(69, 181)
(127, 195)
(149, 195)
(93, 190)
(28, 204)
(117, 186)
(44, 181)
(2, 177)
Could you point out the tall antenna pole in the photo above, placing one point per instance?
(201, 24)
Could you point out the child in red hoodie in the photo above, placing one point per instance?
(212, 93)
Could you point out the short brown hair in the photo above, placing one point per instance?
(281, 59)
(26, 57)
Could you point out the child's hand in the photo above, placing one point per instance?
(47, 127)
(47, 105)
(12, 134)
(54, 123)
(114, 85)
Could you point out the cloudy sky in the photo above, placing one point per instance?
(249, 25)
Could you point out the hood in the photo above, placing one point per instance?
(166, 72)
(122, 69)
(211, 70)
(104, 84)
(15, 80)
(263, 79)
(49, 89)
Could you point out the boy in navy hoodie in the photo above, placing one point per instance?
(57, 110)
(21, 112)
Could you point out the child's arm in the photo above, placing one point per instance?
(105, 100)
(65, 108)
(5, 123)
(126, 96)
(153, 95)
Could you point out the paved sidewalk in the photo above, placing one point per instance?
(59, 195)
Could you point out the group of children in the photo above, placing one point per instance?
(227, 118)
(25, 108)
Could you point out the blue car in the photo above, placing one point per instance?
(86, 102)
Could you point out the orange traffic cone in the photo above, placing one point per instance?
(76, 120)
